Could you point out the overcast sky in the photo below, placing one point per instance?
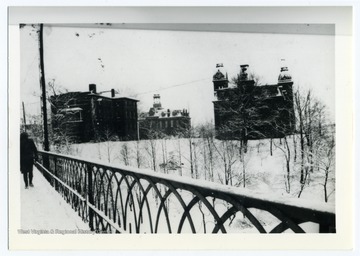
(178, 65)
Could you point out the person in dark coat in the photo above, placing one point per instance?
(28, 154)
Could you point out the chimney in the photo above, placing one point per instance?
(92, 88)
(243, 72)
(112, 93)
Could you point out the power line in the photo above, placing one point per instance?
(141, 93)
(171, 86)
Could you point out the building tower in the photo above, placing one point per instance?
(219, 79)
(157, 103)
(285, 88)
(284, 76)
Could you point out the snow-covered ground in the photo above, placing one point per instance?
(44, 210)
(265, 173)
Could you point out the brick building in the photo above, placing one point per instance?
(248, 111)
(86, 116)
(159, 121)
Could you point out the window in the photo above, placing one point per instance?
(172, 123)
(71, 114)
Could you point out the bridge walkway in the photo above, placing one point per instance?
(42, 208)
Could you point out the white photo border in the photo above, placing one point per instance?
(339, 15)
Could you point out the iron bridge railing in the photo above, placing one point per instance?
(116, 199)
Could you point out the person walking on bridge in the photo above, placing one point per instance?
(28, 154)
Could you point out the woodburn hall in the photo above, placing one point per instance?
(248, 111)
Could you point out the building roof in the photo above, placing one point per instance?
(127, 98)
(112, 98)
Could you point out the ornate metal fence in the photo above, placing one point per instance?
(127, 200)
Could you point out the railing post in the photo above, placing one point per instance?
(323, 228)
(56, 174)
(90, 196)
(326, 229)
(46, 164)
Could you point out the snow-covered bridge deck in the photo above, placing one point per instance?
(43, 208)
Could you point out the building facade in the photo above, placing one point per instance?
(248, 111)
(160, 122)
(90, 116)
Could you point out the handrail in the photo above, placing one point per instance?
(122, 195)
(40, 166)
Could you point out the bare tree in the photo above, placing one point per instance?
(138, 154)
(196, 161)
(64, 130)
(164, 154)
(125, 153)
(191, 161)
(227, 150)
(311, 118)
(207, 133)
(34, 127)
(180, 158)
(285, 149)
(107, 139)
(150, 147)
(326, 164)
(301, 106)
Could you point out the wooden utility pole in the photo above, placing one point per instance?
(42, 83)
(24, 118)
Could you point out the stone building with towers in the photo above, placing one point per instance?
(91, 115)
(159, 122)
(247, 111)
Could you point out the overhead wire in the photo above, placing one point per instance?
(171, 86)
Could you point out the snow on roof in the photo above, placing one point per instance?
(128, 98)
(71, 109)
(111, 98)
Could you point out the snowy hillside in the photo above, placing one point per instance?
(264, 164)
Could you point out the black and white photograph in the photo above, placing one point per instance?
(177, 128)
